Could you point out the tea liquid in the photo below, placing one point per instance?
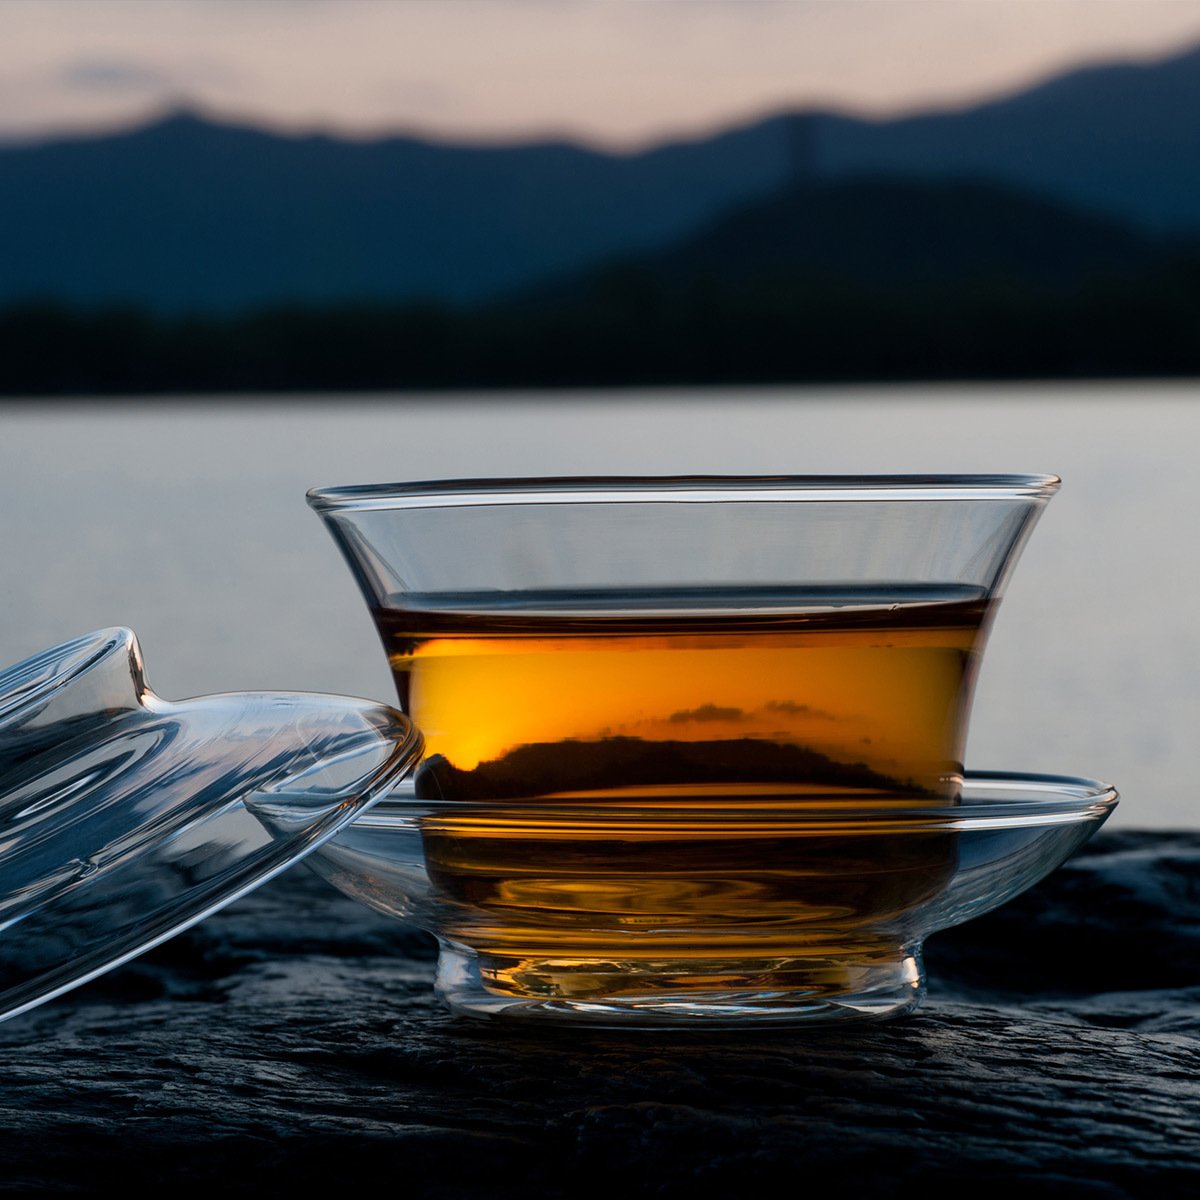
(831, 696)
(560, 725)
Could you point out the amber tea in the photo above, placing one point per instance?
(821, 697)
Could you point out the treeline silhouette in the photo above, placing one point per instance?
(628, 327)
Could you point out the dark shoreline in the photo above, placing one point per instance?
(624, 333)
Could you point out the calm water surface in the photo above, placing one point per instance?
(187, 522)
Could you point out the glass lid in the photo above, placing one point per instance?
(125, 819)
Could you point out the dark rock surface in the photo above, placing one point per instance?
(294, 1039)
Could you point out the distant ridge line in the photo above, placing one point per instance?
(185, 215)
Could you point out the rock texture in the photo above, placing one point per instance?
(294, 1039)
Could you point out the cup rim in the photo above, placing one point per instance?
(674, 489)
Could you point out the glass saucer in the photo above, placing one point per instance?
(124, 818)
(647, 914)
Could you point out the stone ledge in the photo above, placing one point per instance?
(294, 1039)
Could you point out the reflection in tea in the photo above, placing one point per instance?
(800, 695)
(647, 772)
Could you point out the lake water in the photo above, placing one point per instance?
(187, 523)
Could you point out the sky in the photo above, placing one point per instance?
(619, 73)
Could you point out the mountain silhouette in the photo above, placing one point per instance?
(862, 279)
(191, 216)
(1121, 139)
(546, 768)
(890, 234)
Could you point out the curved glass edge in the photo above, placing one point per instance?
(1012, 831)
(697, 489)
(29, 684)
(993, 800)
(393, 747)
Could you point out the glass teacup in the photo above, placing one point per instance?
(645, 703)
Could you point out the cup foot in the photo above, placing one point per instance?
(808, 990)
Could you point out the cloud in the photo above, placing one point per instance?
(799, 710)
(112, 75)
(706, 712)
(131, 76)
